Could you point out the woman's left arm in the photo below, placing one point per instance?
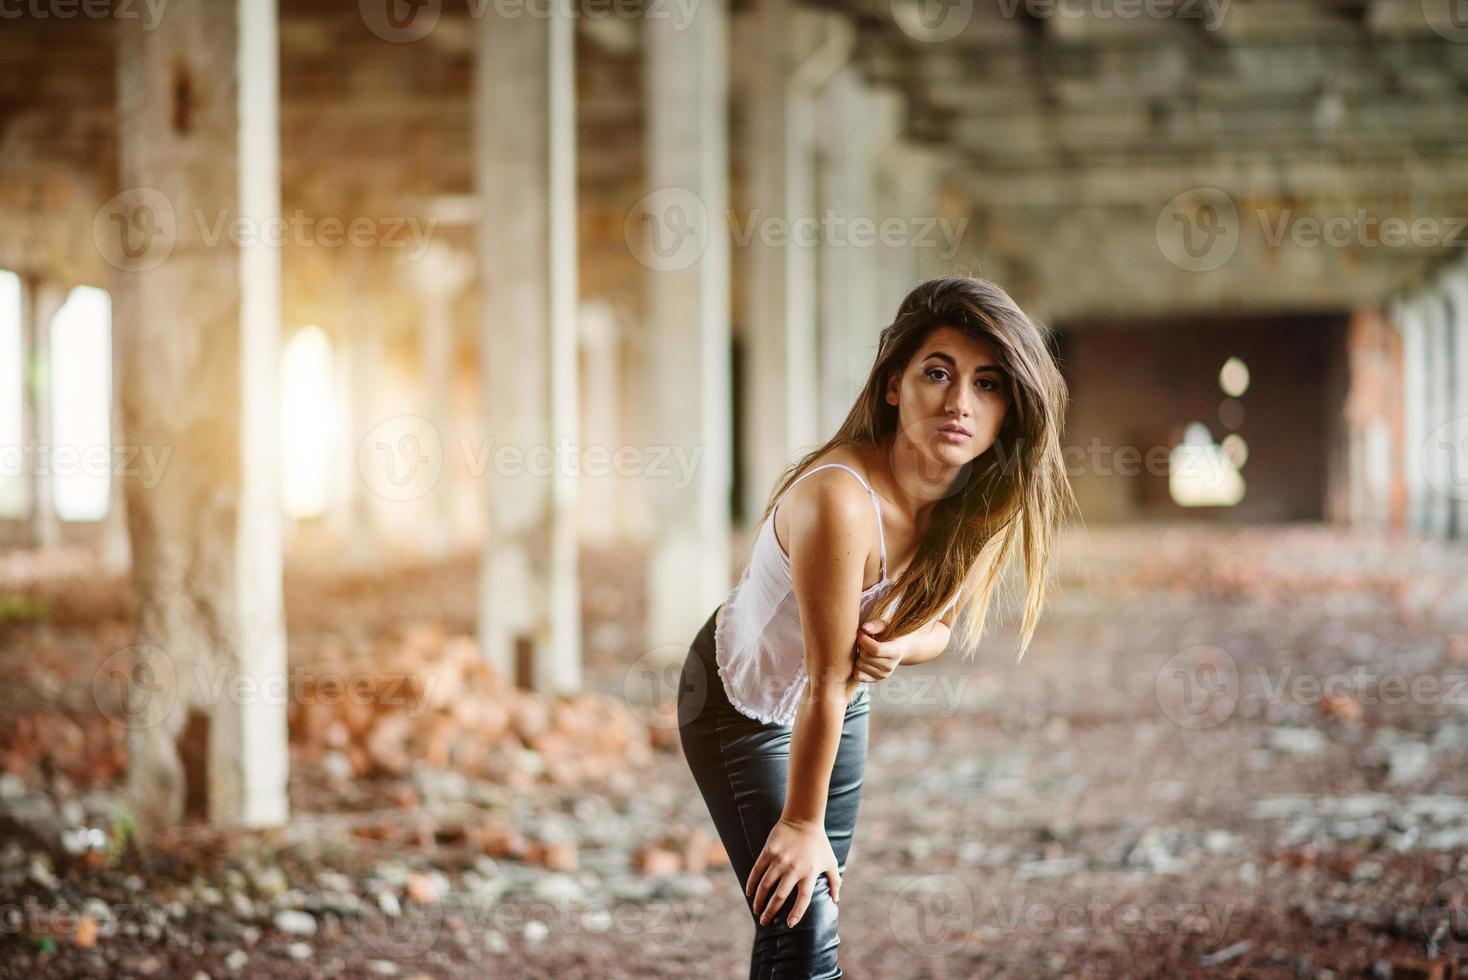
(877, 658)
(925, 644)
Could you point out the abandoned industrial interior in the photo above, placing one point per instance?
(389, 391)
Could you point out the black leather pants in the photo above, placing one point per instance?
(740, 766)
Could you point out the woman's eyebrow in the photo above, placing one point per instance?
(948, 359)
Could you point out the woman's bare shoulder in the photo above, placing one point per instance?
(833, 482)
(833, 495)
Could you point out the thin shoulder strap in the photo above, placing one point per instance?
(881, 533)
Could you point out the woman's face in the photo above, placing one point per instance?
(951, 399)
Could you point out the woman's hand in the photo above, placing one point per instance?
(793, 857)
(875, 659)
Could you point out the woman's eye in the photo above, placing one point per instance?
(932, 371)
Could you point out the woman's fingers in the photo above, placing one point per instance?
(777, 900)
(772, 892)
(756, 878)
(802, 899)
(871, 670)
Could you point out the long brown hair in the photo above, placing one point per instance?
(1016, 490)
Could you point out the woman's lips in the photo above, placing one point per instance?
(953, 433)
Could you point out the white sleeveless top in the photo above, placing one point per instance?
(758, 643)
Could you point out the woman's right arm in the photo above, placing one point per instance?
(831, 538)
(832, 532)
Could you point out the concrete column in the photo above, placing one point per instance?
(198, 111)
(688, 296)
(40, 302)
(601, 419)
(524, 136)
(1368, 422)
(438, 278)
(116, 549)
(1409, 317)
(896, 269)
(850, 314)
(905, 192)
(1435, 459)
(356, 514)
(781, 407)
(1456, 438)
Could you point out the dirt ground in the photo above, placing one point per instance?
(1229, 752)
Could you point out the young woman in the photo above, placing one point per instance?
(949, 458)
